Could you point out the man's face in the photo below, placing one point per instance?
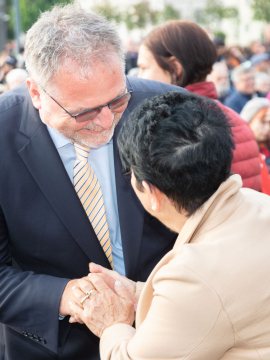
(220, 77)
(77, 95)
(246, 83)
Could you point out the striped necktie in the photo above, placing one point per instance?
(89, 192)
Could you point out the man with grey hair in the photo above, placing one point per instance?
(16, 77)
(243, 81)
(262, 84)
(64, 201)
(221, 79)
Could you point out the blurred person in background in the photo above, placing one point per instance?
(243, 81)
(256, 47)
(131, 54)
(266, 34)
(21, 58)
(260, 62)
(262, 84)
(134, 71)
(221, 79)
(181, 53)
(2, 88)
(221, 49)
(3, 56)
(8, 65)
(16, 77)
(257, 114)
(234, 57)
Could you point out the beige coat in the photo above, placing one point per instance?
(208, 298)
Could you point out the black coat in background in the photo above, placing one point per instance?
(44, 228)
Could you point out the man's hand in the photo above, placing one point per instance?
(68, 296)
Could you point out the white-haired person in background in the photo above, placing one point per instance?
(257, 113)
(262, 84)
(16, 77)
(243, 81)
(221, 79)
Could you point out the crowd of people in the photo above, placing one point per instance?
(12, 68)
(134, 210)
(239, 75)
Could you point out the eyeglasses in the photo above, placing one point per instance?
(116, 105)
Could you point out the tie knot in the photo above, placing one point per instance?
(82, 152)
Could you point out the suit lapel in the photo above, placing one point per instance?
(44, 163)
(131, 212)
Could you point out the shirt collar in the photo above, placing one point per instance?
(60, 141)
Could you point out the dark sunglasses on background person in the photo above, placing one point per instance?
(116, 105)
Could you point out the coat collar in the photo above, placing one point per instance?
(205, 88)
(228, 191)
(212, 209)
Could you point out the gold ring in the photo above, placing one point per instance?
(88, 294)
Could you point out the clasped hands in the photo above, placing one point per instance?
(111, 302)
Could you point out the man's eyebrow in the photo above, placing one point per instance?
(78, 110)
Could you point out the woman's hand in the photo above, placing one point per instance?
(110, 277)
(105, 307)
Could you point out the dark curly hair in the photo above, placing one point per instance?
(191, 46)
(182, 144)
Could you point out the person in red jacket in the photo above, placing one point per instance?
(181, 53)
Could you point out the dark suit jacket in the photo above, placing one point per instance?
(44, 229)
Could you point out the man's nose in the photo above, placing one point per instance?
(104, 118)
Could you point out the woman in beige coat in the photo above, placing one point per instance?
(209, 297)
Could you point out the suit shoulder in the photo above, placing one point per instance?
(12, 98)
(151, 86)
(145, 89)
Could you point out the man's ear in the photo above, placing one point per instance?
(177, 69)
(34, 92)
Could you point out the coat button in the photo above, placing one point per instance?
(31, 336)
(36, 338)
(24, 333)
(43, 341)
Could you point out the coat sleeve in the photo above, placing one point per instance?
(186, 320)
(29, 303)
(139, 289)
